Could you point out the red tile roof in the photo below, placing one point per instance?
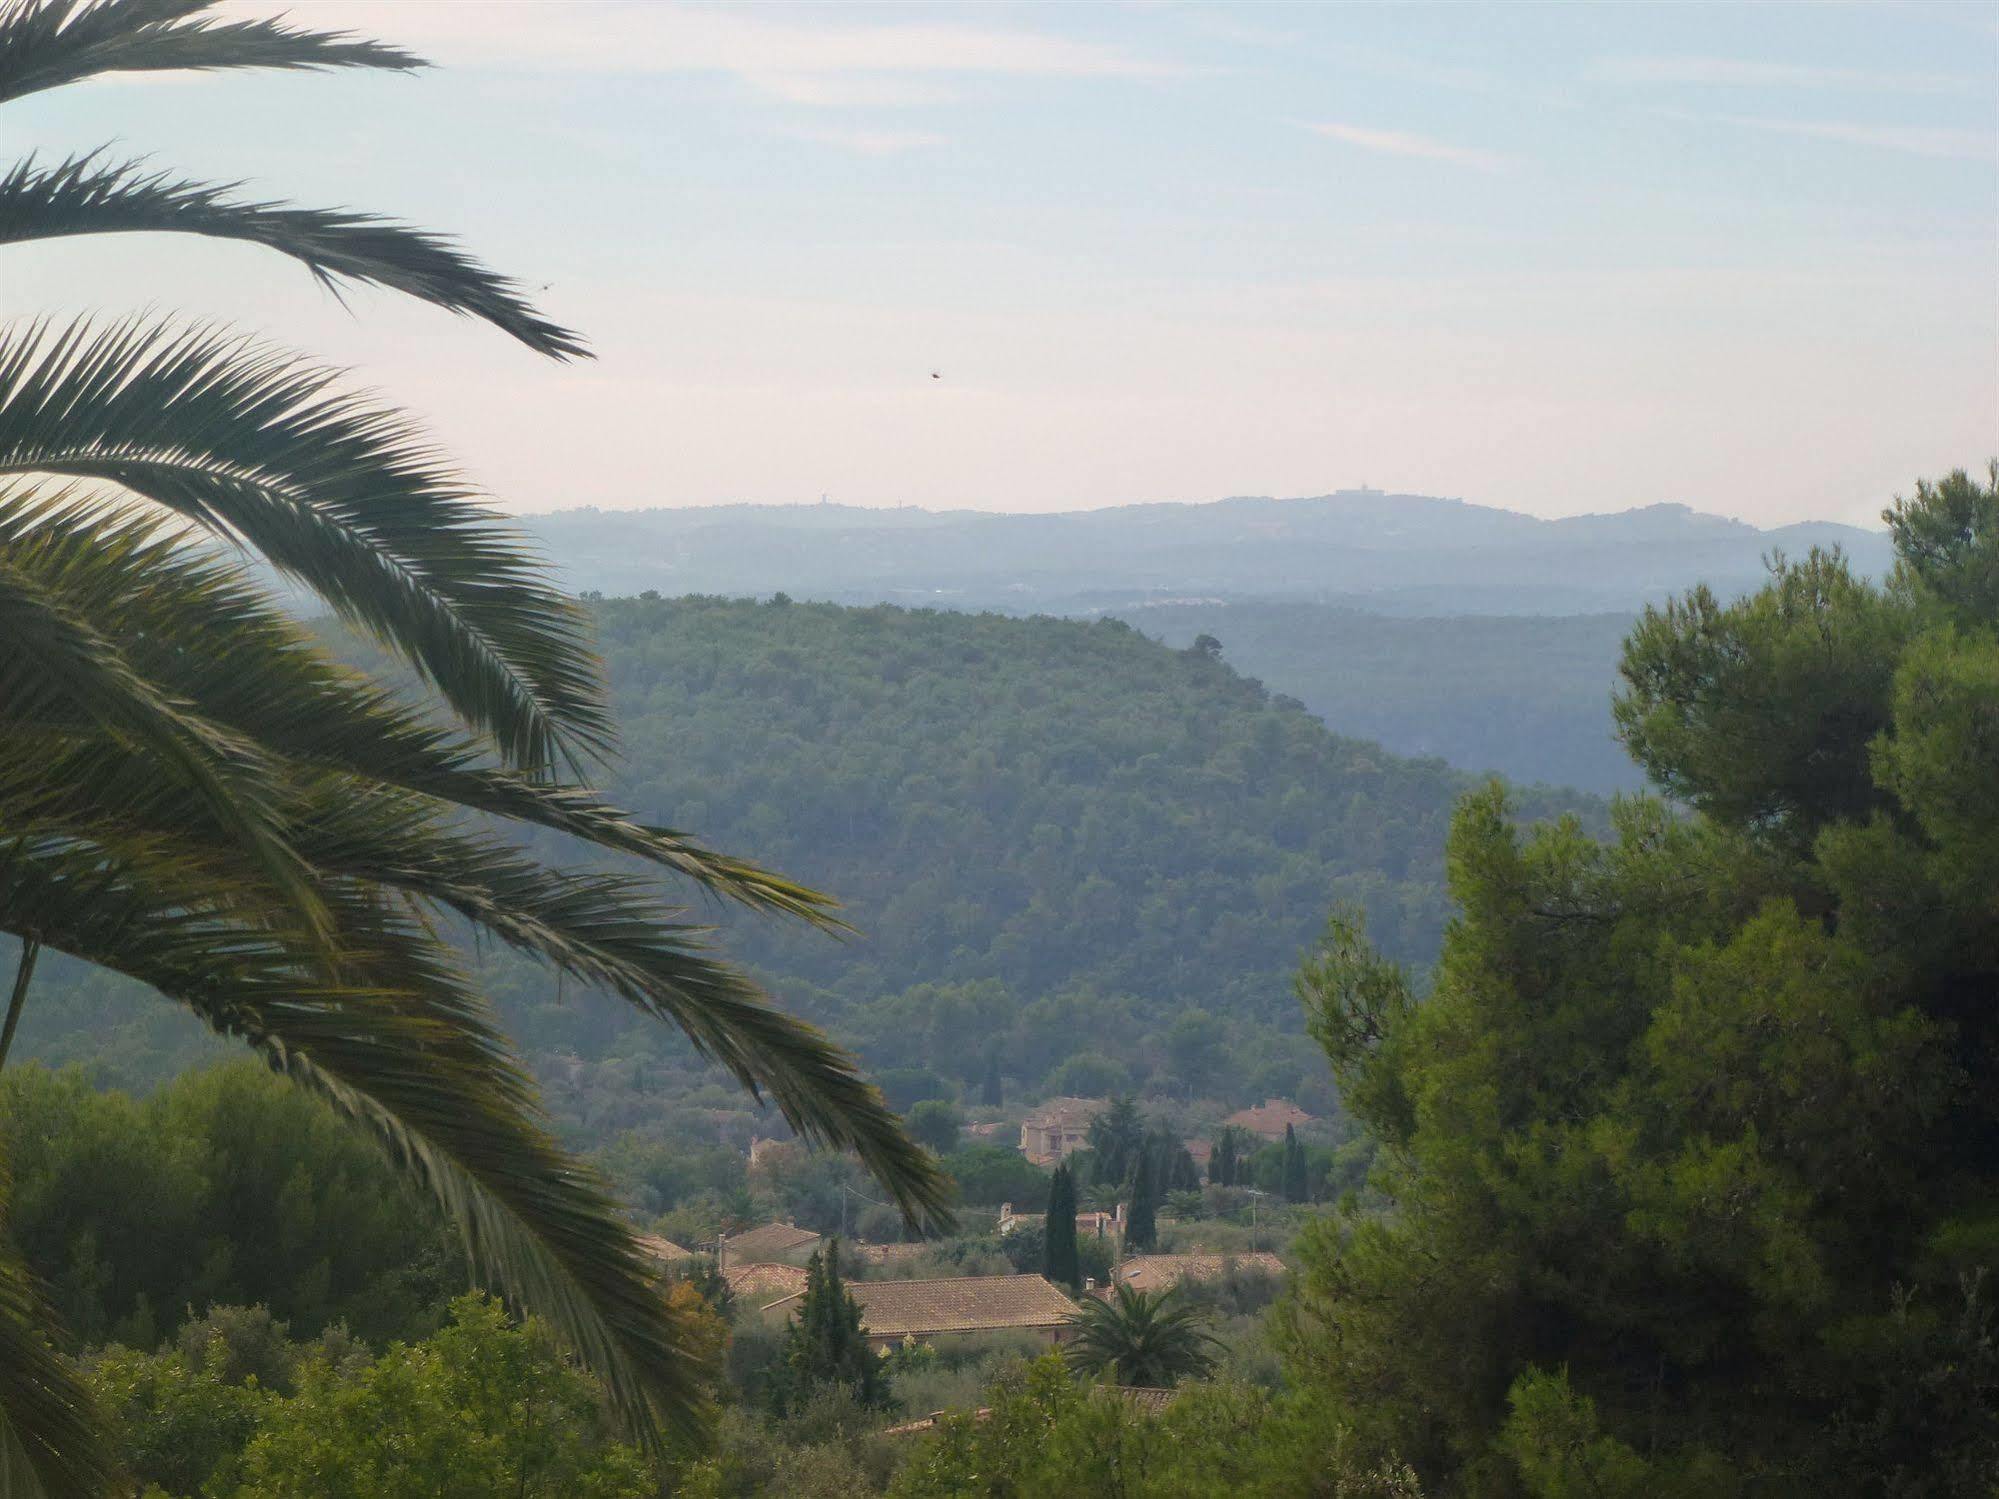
(969, 1303)
(1155, 1272)
(1268, 1118)
(760, 1285)
(768, 1241)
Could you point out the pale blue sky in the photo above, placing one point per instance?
(1555, 257)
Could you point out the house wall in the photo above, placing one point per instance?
(1052, 1336)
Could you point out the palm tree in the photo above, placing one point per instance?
(1148, 1338)
(193, 793)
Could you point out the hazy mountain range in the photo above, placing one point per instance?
(1436, 627)
(1384, 553)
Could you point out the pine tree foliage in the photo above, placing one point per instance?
(1692, 1152)
(825, 1344)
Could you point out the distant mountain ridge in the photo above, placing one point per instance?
(1362, 549)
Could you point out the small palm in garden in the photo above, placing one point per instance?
(1148, 1338)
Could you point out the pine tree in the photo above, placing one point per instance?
(1061, 1259)
(826, 1344)
(1294, 1167)
(1141, 1231)
(991, 1094)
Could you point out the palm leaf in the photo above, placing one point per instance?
(47, 43)
(403, 1048)
(194, 626)
(257, 447)
(83, 195)
(57, 664)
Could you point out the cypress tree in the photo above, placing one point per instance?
(1061, 1260)
(1294, 1167)
(1141, 1231)
(990, 1094)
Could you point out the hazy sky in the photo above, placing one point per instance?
(1558, 257)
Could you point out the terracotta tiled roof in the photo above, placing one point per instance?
(1147, 1398)
(1155, 1272)
(969, 1303)
(1268, 1118)
(664, 1250)
(760, 1285)
(1070, 1113)
(769, 1241)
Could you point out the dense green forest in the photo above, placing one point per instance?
(1054, 840)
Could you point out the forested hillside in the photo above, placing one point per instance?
(1054, 839)
(1526, 696)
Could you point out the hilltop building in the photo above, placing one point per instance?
(1268, 1119)
(1058, 1127)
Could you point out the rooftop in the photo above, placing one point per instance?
(1155, 1272)
(664, 1250)
(768, 1241)
(1067, 1113)
(1269, 1118)
(971, 1303)
(762, 1284)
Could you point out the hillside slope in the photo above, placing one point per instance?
(1527, 696)
(1054, 838)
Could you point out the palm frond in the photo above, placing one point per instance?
(47, 43)
(1152, 1338)
(57, 665)
(348, 499)
(609, 931)
(85, 195)
(51, 1439)
(402, 1047)
(195, 627)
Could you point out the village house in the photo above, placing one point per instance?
(1268, 1119)
(1160, 1272)
(880, 1254)
(1058, 1127)
(767, 1243)
(895, 1311)
(664, 1250)
(761, 1284)
(1093, 1223)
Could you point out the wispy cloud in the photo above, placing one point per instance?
(795, 59)
(1913, 140)
(1402, 143)
(866, 142)
(1741, 72)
